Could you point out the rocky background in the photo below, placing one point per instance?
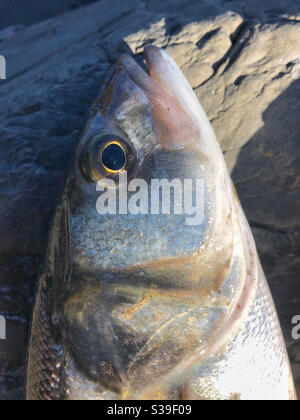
(243, 60)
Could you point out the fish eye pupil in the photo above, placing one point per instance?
(113, 157)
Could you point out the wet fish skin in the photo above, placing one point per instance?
(144, 306)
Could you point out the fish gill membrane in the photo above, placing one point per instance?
(146, 306)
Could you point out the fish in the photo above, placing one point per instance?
(153, 305)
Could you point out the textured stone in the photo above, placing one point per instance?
(30, 11)
(242, 58)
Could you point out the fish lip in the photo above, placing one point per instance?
(128, 63)
(151, 53)
(176, 129)
(125, 65)
(138, 74)
(135, 72)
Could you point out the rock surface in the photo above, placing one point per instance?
(20, 12)
(243, 60)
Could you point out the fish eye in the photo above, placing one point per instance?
(113, 156)
(105, 156)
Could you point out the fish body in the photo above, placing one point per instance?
(144, 304)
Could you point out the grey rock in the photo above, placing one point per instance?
(10, 31)
(27, 12)
(243, 60)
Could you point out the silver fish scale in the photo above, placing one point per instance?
(239, 373)
(44, 380)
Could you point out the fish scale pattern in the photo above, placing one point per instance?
(46, 356)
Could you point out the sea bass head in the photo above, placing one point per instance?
(151, 267)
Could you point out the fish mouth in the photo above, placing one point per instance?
(164, 87)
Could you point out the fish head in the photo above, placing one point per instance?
(137, 288)
(145, 129)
